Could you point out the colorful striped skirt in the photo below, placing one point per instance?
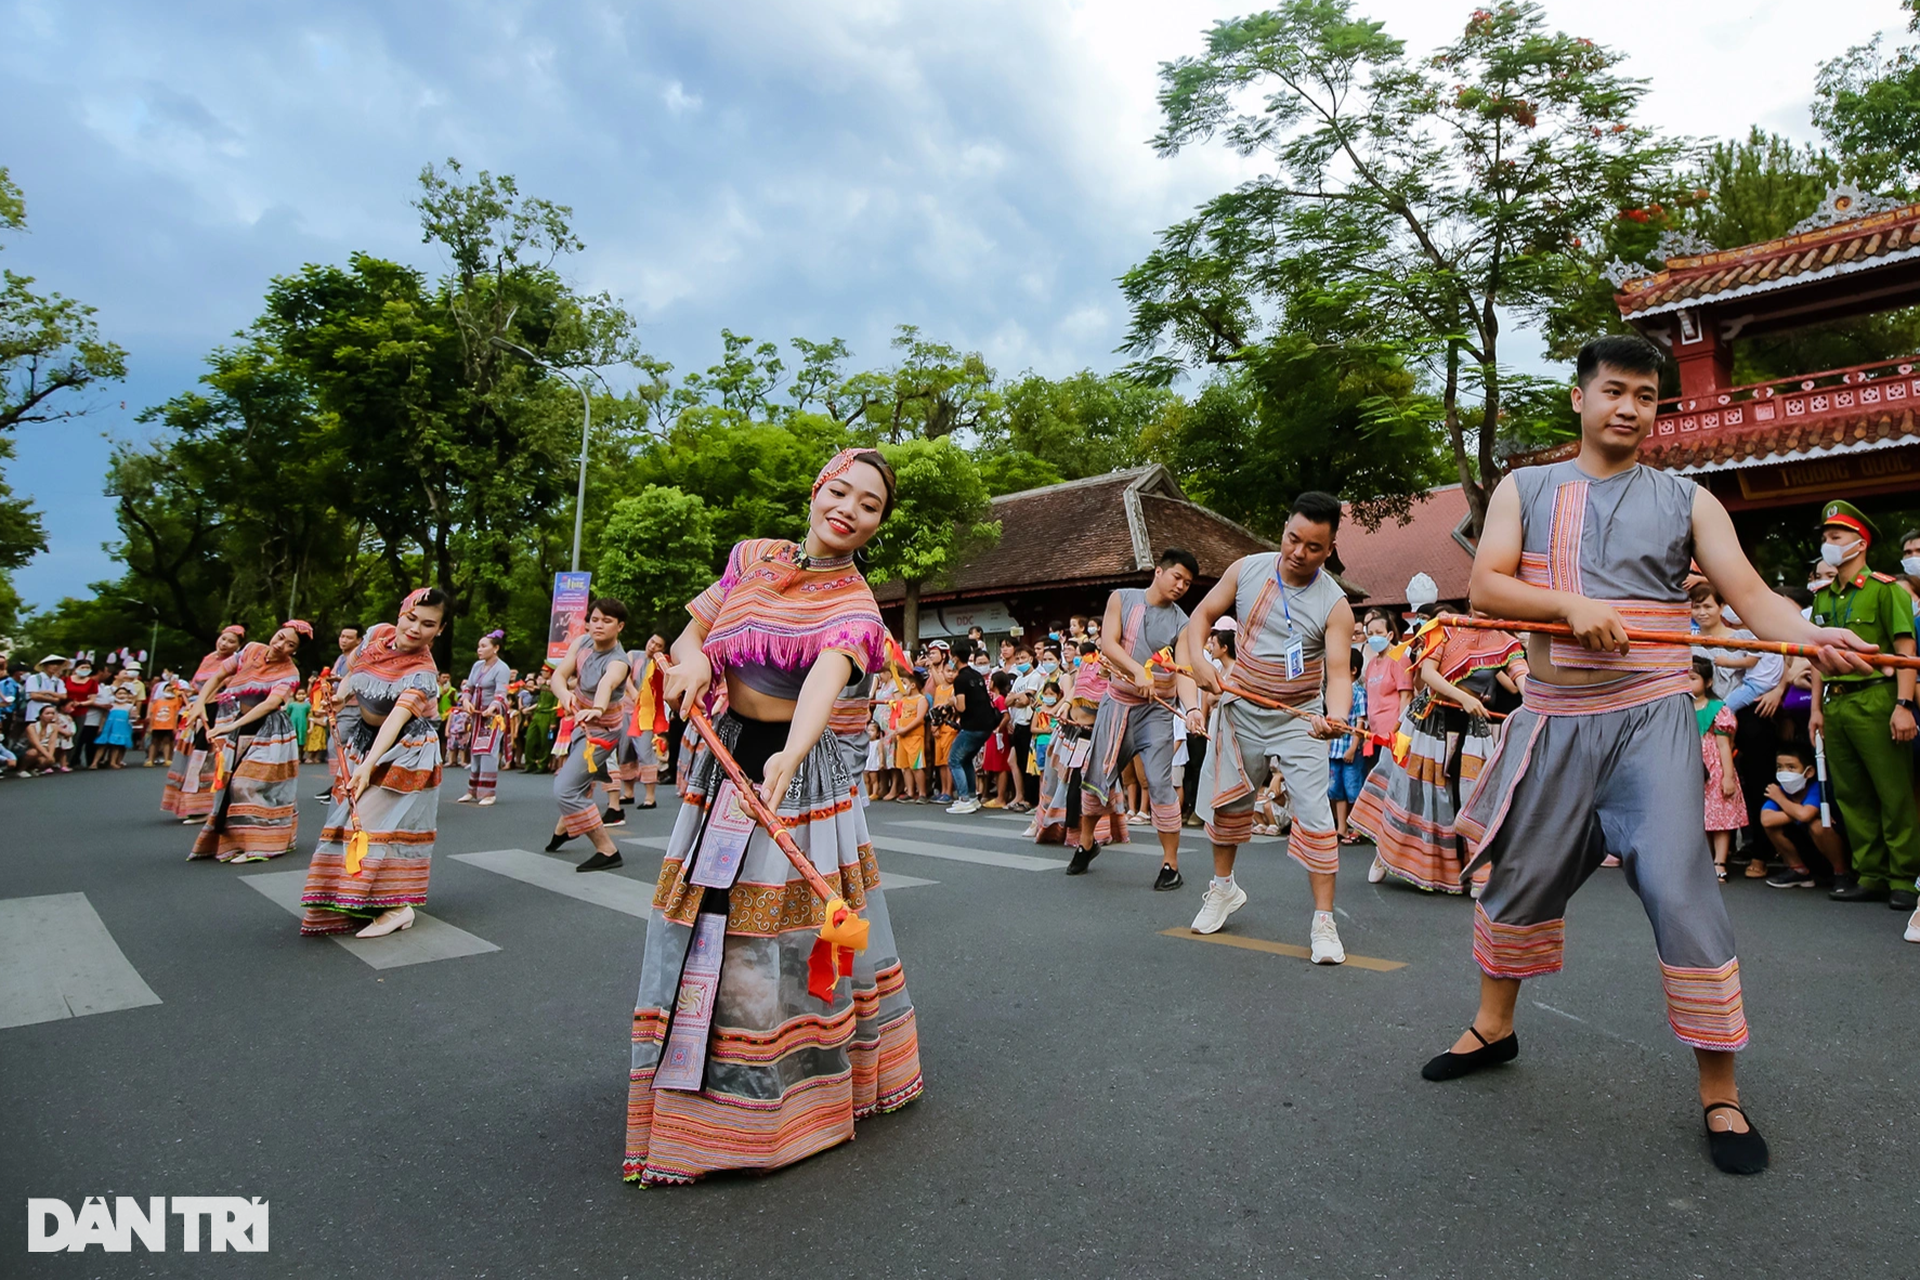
(256, 815)
(189, 790)
(399, 813)
(1056, 812)
(1408, 807)
(785, 1075)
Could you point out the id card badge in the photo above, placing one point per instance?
(724, 846)
(1296, 659)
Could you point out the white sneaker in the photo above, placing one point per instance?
(1377, 872)
(1913, 928)
(1326, 940)
(964, 806)
(1216, 905)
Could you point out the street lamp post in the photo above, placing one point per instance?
(586, 425)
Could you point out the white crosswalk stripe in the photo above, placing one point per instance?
(959, 853)
(619, 893)
(429, 939)
(889, 881)
(57, 960)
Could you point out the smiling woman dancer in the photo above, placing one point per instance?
(188, 763)
(390, 754)
(256, 813)
(775, 1075)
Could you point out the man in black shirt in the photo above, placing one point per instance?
(977, 719)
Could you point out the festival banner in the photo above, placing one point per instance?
(571, 592)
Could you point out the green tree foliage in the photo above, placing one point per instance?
(50, 346)
(943, 515)
(1413, 204)
(1867, 103)
(1082, 425)
(657, 552)
(1007, 472)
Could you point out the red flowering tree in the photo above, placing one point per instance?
(1420, 204)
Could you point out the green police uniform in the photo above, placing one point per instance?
(1871, 775)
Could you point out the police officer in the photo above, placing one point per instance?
(1868, 720)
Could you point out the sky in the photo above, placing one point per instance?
(817, 169)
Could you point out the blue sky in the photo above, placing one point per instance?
(814, 169)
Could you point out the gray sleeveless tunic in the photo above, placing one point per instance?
(1272, 617)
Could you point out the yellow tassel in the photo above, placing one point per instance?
(356, 852)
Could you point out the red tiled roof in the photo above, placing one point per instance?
(1081, 533)
(1382, 561)
(1855, 245)
(1729, 448)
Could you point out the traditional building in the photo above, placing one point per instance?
(1434, 541)
(1065, 547)
(1849, 432)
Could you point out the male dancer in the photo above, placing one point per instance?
(345, 711)
(598, 664)
(1604, 756)
(1287, 606)
(1129, 722)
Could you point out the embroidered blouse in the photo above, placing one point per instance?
(769, 609)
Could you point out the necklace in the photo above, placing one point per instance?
(817, 564)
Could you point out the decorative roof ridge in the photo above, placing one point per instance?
(1131, 476)
(1772, 248)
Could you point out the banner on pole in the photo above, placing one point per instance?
(571, 592)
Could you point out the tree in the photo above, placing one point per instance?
(1414, 206)
(1084, 425)
(1304, 416)
(50, 346)
(1011, 472)
(942, 517)
(657, 552)
(1867, 103)
(935, 390)
(22, 536)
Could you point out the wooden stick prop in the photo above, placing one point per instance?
(843, 932)
(1687, 638)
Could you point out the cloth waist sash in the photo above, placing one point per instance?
(1610, 695)
(1268, 677)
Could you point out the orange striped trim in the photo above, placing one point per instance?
(1317, 851)
(1563, 540)
(1704, 1006)
(1231, 828)
(1598, 699)
(1517, 950)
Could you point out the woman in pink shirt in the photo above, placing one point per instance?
(1389, 682)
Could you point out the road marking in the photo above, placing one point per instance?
(956, 853)
(618, 893)
(1279, 948)
(429, 939)
(1149, 848)
(57, 960)
(889, 881)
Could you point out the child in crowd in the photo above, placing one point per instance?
(1043, 718)
(996, 757)
(44, 752)
(1272, 814)
(876, 766)
(1791, 819)
(116, 731)
(300, 712)
(163, 717)
(1349, 757)
(1726, 807)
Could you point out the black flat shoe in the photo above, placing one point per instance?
(1858, 893)
(1451, 1066)
(1736, 1152)
(601, 862)
(651, 804)
(613, 818)
(1902, 899)
(560, 838)
(1169, 878)
(1081, 860)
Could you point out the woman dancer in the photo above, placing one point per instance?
(484, 698)
(1409, 801)
(785, 1074)
(389, 754)
(189, 792)
(256, 812)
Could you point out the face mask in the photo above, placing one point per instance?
(1049, 665)
(1378, 643)
(1837, 555)
(1911, 566)
(1051, 700)
(1791, 783)
(1815, 587)
(1023, 667)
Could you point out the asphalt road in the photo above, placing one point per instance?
(1102, 1099)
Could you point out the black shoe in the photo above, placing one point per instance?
(1451, 1066)
(1791, 878)
(613, 818)
(325, 795)
(601, 862)
(651, 804)
(1736, 1152)
(559, 838)
(1854, 892)
(1081, 860)
(1169, 878)
(1902, 899)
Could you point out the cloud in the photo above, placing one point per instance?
(980, 169)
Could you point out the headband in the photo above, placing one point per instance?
(496, 635)
(234, 628)
(414, 597)
(837, 466)
(305, 630)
